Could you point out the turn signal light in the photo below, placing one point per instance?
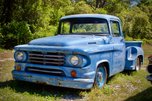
(73, 73)
(18, 67)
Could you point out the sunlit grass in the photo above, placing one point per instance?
(121, 87)
(147, 52)
(2, 50)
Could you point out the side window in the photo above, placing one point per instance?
(65, 28)
(115, 28)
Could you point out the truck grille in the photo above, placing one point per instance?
(46, 58)
(37, 70)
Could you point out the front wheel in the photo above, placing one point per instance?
(101, 77)
(138, 64)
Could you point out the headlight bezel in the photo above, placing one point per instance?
(83, 61)
(23, 56)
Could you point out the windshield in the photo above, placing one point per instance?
(84, 26)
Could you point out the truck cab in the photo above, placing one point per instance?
(87, 49)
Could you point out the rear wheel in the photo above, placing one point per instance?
(138, 64)
(101, 77)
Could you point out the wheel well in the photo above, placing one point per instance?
(106, 64)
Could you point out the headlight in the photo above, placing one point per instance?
(75, 60)
(20, 56)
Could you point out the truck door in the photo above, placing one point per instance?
(118, 47)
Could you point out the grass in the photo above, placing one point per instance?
(125, 86)
(147, 52)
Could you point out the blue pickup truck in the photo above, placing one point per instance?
(85, 52)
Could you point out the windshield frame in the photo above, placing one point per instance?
(79, 20)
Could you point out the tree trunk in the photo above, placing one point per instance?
(100, 3)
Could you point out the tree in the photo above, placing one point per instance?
(40, 17)
(100, 3)
(6, 9)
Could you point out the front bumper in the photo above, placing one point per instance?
(78, 83)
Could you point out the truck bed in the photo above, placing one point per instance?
(133, 43)
(133, 51)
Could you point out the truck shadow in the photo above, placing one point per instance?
(43, 90)
(128, 72)
(145, 95)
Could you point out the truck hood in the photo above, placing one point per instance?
(70, 40)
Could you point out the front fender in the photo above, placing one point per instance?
(106, 63)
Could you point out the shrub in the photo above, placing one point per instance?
(15, 33)
(44, 32)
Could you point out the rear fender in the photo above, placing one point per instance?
(132, 53)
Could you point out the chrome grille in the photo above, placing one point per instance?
(46, 58)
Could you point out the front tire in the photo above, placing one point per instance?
(138, 64)
(101, 77)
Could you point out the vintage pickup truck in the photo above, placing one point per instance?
(87, 49)
(149, 69)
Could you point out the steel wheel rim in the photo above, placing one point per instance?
(100, 77)
(137, 64)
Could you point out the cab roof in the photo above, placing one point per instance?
(100, 16)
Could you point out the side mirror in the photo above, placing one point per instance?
(110, 37)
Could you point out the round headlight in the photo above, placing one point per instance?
(74, 60)
(20, 56)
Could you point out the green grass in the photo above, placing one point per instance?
(1, 50)
(147, 52)
(125, 86)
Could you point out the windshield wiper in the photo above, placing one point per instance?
(101, 34)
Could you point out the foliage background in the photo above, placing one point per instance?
(24, 20)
